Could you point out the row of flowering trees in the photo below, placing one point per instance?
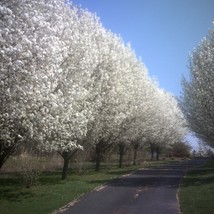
(198, 90)
(67, 82)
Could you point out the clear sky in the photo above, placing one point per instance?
(162, 32)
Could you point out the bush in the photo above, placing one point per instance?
(30, 170)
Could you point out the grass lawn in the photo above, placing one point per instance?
(51, 193)
(196, 194)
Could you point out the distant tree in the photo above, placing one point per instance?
(210, 153)
(117, 96)
(204, 150)
(179, 149)
(166, 124)
(194, 153)
(122, 149)
(201, 152)
(197, 100)
(151, 147)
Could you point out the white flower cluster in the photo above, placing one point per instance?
(64, 76)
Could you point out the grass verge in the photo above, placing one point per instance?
(51, 193)
(196, 193)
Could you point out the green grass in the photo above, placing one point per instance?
(196, 194)
(51, 193)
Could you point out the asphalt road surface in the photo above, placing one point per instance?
(147, 191)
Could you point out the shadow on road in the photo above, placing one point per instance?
(167, 175)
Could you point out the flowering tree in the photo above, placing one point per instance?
(114, 95)
(19, 59)
(75, 97)
(179, 149)
(142, 100)
(198, 92)
(158, 121)
(47, 73)
(170, 123)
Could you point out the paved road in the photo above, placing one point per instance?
(147, 191)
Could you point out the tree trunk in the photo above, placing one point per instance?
(121, 160)
(101, 148)
(6, 151)
(158, 151)
(3, 158)
(152, 154)
(136, 147)
(98, 154)
(121, 154)
(97, 167)
(157, 154)
(152, 151)
(135, 157)
(66, 158)
(1, 163)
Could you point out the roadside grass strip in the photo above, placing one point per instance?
(51, 193)
(196, 194)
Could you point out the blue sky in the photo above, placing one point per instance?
(162, 32)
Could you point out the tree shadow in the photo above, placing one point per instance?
(202, 172)
(198, 181)
(199, 177)
(169, 176)
(15, 196)
(12, 187)
(9, 181)
(147, 178)
(120, 173)
(50, 178)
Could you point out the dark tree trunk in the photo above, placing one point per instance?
(6, 151)
(157, 154)
(121, 153)
(66, 158)
(121, 160)
(98, 156)
(101, 148)
(136, 147)
(97, 167)
(1, 163)
(3, 158)
(66, 155)
(152, 154)
(152, 150)
(135, 155)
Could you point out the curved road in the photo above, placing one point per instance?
(147, 191)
